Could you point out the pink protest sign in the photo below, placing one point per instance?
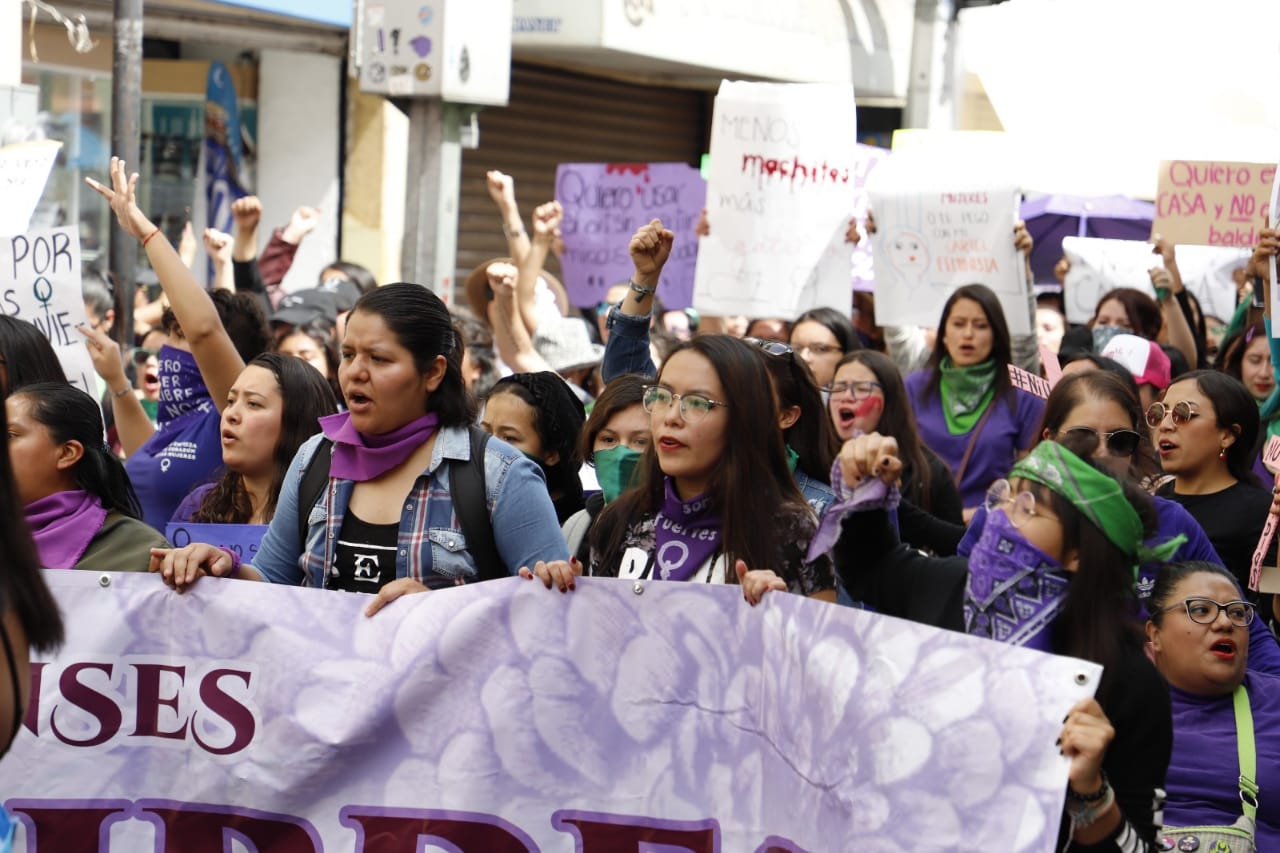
(1212, 203)
(1271, 459)
(1028, 381)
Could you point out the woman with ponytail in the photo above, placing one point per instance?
(77, 498)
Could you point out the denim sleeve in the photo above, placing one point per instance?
(525, 527)
(627, 350)
(277, 559)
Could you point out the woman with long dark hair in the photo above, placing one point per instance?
(384, 516)
(822, 336)
(26, 356)
(273, 408)
(1053, 571)
(1205, 429)
(77, 498)
(968, 411)
(715, 502)
(868, 395)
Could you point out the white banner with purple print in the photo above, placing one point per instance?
(504, 717)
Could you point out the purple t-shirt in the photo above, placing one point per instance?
(1201, 781)
(1004, 434)
(187, 509)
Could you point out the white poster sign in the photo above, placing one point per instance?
(24, 170)
(779, 200)
(40, 283)
(934, 234)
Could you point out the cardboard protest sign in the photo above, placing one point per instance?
(869, 157)
(1028, 381)
(1098, 266)
(779, 200)
(1274, 219)
(24, 170)
(1211, 203)
(935, 232)
(1271, 459)
(40, 283)
(242, 539)
(604, 204)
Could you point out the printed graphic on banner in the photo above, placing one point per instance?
(24, 170)
(604, 204)
(40, 283)
(933, 235)
(779, 200)
(242, 539)
(287, 716)
(1211, 203)
(869, 157)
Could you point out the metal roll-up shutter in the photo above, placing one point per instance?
(557, 117)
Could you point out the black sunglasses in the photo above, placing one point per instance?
(1122, 442)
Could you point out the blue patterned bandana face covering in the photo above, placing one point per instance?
(1014, 590)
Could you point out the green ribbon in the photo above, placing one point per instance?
(966, 392)
(1095, 494)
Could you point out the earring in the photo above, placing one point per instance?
(1222, 454)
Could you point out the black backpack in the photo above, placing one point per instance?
(466, 486)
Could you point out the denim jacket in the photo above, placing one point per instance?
(627, 350)
(432, 548)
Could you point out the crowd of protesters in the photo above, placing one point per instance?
(385, 444)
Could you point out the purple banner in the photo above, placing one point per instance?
(243, 539)
(504, 717)
(604, 204)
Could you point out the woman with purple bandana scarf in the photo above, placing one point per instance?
(77, 499)
(716, 501)
(386, 523)
(1054, 571)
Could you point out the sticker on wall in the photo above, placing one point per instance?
(422, 71)
(421, 45)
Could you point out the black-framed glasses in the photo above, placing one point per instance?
(1204, 611)
(818, 349)
(693, 407)
(1020, 508)
(1182, 412)
(1121, 442)
(861, 389)
(771, 347)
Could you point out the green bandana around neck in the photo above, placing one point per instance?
(966, 392)
(793, 458)
(1099, 497)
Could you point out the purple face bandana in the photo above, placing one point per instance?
(686, 533)
(1014, 589)
(361, 457)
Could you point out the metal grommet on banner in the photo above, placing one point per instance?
(104, 581)
(1082, 678)
(637, 588)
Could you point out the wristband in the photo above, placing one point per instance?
(147, 239)
(235, 562)
(512, 233)
(1084, 814)
(642, 292)
(118, 394)
(1073, 794)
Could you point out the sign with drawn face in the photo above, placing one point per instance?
(935, 232)
(40, 283)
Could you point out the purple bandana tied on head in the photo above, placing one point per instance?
(686, 534)
(361, 457)
(62, 525)
(1014, 590)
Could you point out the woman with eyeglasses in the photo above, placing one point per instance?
(1200, 640)
(1053, 570)
(715, 501)
(968, 410)
(1204, 430)
(868, 396)
(822, 336)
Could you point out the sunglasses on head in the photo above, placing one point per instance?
(1181, 412)
(771, 347)
(1121, 442)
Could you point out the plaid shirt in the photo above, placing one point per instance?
(431, 547)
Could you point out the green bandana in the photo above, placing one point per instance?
(793, 458)
(1099, 497)
(966, 391)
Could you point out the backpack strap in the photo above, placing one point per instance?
(314, 478)
(471, 506)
